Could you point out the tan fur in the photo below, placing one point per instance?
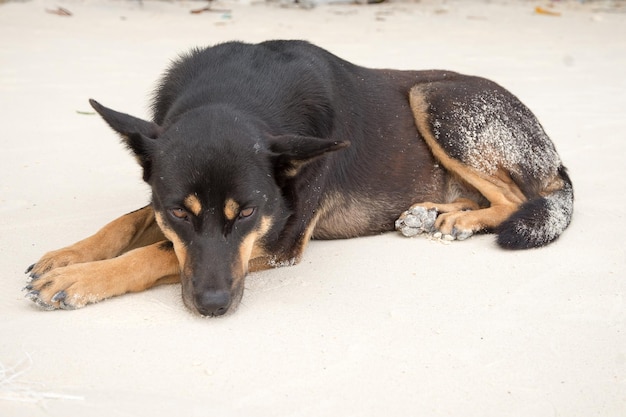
(252, 254)
(336, 208)
(499, 189)
(179, 247)
(193, 204)
(553, 185)
(90, 282)
(460, 204)
(294, 169)
(261, 260)
(231, 209)
(125, 233)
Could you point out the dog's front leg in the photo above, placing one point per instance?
(76, 285)
(132, 230)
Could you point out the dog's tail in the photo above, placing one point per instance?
(540, 220)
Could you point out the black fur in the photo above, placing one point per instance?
(534, 224)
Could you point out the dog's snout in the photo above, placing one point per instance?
(213, 303)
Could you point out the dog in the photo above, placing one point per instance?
(254, 149)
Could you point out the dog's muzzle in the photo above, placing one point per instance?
(212, 303)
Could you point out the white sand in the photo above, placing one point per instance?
(366, 327)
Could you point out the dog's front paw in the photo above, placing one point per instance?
(52, 260)
(67, 288)
(416, 220)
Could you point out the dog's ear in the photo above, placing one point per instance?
(292, 152)
(137, 134)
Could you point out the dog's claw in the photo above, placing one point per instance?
(60, 296)
(461, 234)
(456, 234)
(34, 297)
(32, 276)
(416, 220)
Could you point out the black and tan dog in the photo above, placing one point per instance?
(255, 149)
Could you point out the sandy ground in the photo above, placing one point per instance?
(374, 326)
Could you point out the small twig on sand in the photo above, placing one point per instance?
(208, 8)
(59, 11)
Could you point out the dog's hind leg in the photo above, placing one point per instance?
(132, 230)
(463, 217)
(491, 146)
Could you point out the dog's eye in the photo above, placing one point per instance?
(180, 213)
(247, 212)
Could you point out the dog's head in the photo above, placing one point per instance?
(217, 191)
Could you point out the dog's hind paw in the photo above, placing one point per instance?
(455, 235)
(417, 220)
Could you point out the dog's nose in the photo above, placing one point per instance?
(213, 303)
